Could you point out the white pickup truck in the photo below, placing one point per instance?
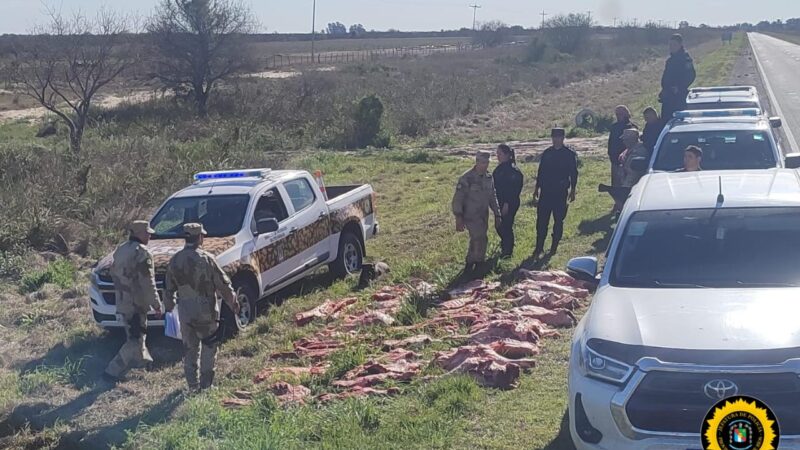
(267, 229)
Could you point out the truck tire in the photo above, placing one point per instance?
(247, 296)
(350, 256)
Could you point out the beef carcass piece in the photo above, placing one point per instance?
(372, 380)
(366, 319)
(239, 399)
(559, 289)
(268, 372)
(419, 340)
(511, 348)
(526, 330)
(484, 364)
(389, 293)
(315, 348)
(452, 359)
(358, 392)
(288, 393)
(472, 287)
(400, 354)
(549, 300)
(458, 303)
(328, 309)
(553, 317)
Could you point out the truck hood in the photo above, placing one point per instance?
(164, 249)
(697, 319)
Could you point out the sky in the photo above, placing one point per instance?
(288, 16)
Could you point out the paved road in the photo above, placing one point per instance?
(779, 64)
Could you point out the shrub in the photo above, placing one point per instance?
(536, 51)
(368, 117)
(11, 265)
(493, 34)
(61, 273)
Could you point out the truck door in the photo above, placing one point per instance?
(269, 249)
(308, 226)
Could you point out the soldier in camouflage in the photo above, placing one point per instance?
(197, 279)
(474, 197)
(135, 285)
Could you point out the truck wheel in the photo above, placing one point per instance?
(247, 297)
(350, 257)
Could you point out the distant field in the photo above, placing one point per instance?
(791, 37)
(336, 45)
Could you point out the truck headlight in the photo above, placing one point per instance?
(604, 368)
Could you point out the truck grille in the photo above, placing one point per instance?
(110, 297)
(676, 402)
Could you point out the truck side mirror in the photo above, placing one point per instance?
(266, 226)
(584, 268)
(640, 164)
(792, 160)
(775, 122)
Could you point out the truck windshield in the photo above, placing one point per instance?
(221, 215)
(722, 150)
(736, 248)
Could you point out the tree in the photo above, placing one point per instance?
(201, 44)
(683, 25)
(337, 29)
(67, 62)
(569, 33)
(493, 34)
(357, 30)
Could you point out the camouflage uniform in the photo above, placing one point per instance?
(135, 286)
(197, 279)
(474, 196)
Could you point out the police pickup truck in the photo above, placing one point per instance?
(731, 139)
(266, 228)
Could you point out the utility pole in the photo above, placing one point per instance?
(544, 16)
(589, 13)
(635, 23)
(615, 22)
(474, 15)
(313, 29)
(660, 23)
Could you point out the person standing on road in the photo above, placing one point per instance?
(652, 128)
(615, 144)
(474, 197)
(197, 279)
(508, 182)
(679, 74)
(556, 182)
(134, 282)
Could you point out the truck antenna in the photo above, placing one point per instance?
(720, 197)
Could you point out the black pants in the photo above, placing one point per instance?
(555, 206)
(670, 105)
(506, 229)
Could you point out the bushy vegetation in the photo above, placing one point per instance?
(61, 273)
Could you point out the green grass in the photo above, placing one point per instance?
(44, 377)
(61, 273)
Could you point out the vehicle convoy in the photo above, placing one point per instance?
(266, 228)
(723, 97)
(697, 302)
(730, 139)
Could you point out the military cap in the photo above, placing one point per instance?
(140, 226)
(194, 229)
(482, 156)
(633, 133)
(558, 132)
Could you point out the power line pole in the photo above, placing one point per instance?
(589, 13)
(544, 15)
(615, 22)
(474, 15)
(313, 29)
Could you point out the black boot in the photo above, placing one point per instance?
(469, 271)
(554, 248)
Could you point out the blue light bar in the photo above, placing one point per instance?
(751, 112)
(231, 174)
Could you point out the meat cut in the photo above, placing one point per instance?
(553, 317)
(327, 310)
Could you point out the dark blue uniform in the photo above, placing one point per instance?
(679, 74)
(508, 180)
(558, 172)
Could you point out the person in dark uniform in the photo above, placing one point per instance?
(615, 144)
(556, 183)
(692, 159)
(652, 129)
(508, 181)
(679, 74)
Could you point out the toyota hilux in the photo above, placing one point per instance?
(697, 302)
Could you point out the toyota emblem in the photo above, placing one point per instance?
(720, 389)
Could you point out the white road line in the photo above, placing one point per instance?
(772, 98)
